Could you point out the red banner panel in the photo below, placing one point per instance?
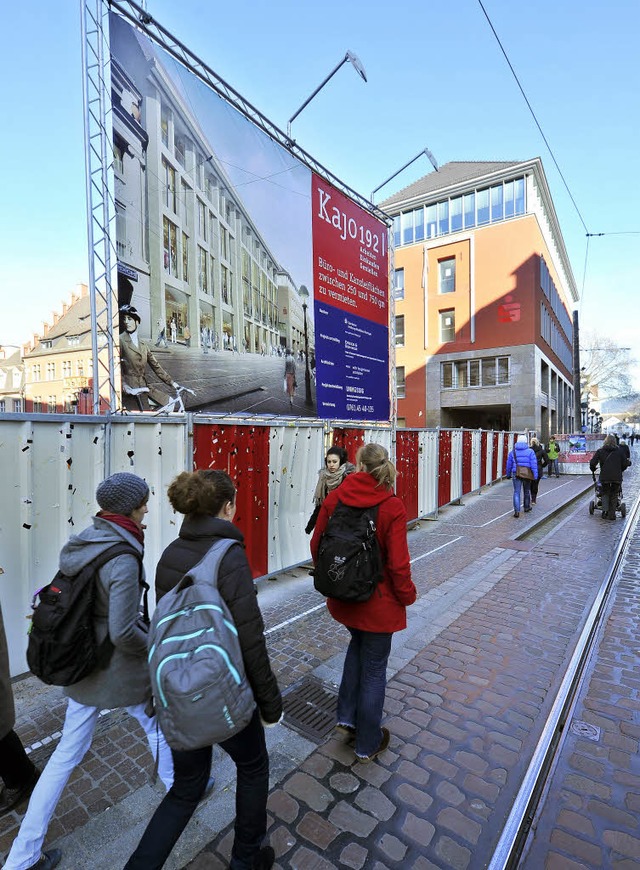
(444, 468)
(243, 452)
(407, 463)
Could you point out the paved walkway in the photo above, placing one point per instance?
(471, 681)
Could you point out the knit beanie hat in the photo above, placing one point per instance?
(122, 493)
(522, 439)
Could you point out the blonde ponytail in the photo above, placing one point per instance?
(374, 459)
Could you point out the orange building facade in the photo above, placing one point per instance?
(483, 292)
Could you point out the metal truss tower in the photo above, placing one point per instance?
(103, 289)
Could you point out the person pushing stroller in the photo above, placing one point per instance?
(612, 461)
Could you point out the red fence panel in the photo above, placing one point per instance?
(467, 461)
(483, 459)
(350, 439)
(505, 452)
(494, 456)
(243, 452)
(407, 463)
(444, 468)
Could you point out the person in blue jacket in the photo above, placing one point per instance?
(523, 456)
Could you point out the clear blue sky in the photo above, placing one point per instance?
(436, 79)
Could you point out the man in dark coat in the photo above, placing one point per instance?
(17, 771)
(612, 461)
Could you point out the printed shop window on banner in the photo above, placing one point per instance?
(351, 307)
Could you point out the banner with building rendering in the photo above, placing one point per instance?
(221, 236)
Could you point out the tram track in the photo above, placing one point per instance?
(513, 840)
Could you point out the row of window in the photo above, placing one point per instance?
(486, 205)
(176, 263)
(549, 289)
(486, 372)
(67, 367)
(447, 327)
(554, 337)
(14, 408)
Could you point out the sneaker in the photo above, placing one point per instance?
(516, 514)
(533, 501)
(264, 859)
(12, 797)
(48, 860)
(384, 743)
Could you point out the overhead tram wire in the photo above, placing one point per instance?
(533, 115)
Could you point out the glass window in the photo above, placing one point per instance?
(121, 230)
(469, 209)
(51, 371)
(399, 276)
(185, 257)
(3, 406)
(400, 382)
(431, 218)
(519, 185)
(443, 217)
(508, 199)
(489, 372)
(496, 203)
(447, 275)
(447, 325)
(118, 159)
(17, 406)
(462, 374)
(396, 231)
(399, 330)
(170, 247)
(212, 267)
(483, 206)
(474, 373)
(418, 222)
(503, 369)
(203, 284)
(184, 196)
(169, 186)
(446, 371)
(180, 147)
(164, 126)
(407, 227)
(456, 214)
(202, 220)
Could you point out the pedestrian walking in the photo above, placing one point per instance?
(543, 461)
(290, 382)
(123, 682)
(553, 452)
(207, 498)
(336, 467)
(174, 330)
(17, 772)
(161, 340)
(370, 623)
(204, 339)
(522, 467)
(612, 461)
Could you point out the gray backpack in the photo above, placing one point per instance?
(201, 692)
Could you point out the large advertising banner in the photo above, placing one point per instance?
(246, 283)
(351, 306)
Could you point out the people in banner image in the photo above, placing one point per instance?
(290, 382)
(135, 357)
(173, 326)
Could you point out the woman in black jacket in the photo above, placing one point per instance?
(543, 461)
(208, 500)
(612, 462)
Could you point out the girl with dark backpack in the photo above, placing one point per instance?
(207, 498)
(122, 682)
(370, 623)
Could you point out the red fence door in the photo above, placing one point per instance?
(407, 457)
(444, 468)
(467, 461)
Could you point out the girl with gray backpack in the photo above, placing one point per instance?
(207, 498)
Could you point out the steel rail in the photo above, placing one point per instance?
(512, 840)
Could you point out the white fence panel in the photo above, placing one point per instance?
(456, 464)
(428, 473)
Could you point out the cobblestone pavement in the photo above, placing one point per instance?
(470, 682)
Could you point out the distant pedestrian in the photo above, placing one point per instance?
(186, 334)
(371, 623)
(207, 498)
(336, 468)
(17, 772)
(612, 461)
(123, 682)
(522, 467)
(543, 461)
(161, 340)
(204, 339)
(553, 452)
(174, 330)
(625, 449)
(290, 382)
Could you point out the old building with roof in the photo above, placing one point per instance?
(483, 297)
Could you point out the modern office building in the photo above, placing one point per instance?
(483, 299)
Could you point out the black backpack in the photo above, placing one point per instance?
(62, 647)
(349, 565)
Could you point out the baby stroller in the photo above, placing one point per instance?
(596, 503)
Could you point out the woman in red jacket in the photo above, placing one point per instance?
(371, 623)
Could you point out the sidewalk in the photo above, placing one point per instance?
(463, 705)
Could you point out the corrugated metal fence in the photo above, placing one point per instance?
(51, 465)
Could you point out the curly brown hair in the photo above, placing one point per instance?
(201, 492)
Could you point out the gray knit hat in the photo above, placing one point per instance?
(122, 493)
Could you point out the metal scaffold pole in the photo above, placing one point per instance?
(100, 204)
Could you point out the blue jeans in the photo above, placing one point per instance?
(192, 770)
(554, 468)
(362, 688)
(526, 485)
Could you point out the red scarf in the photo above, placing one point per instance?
(125, 522)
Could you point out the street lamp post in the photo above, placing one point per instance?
(424, 151)
(304, 295)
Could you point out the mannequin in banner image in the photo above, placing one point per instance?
(135, 356)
